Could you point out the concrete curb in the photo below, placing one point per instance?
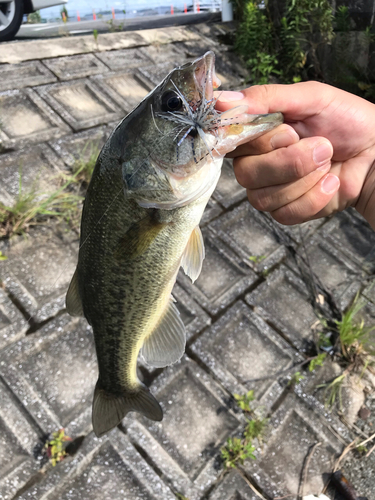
(43, 49)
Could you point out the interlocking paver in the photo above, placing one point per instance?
(80, 103)
(340, 276)
(55, 387)
(223, 276)
(193, 316)
(354, 237)
(102, 469)
(26, 118)
(81, 146)
(283, 301)
(155, 73)
(18, 436)
(292, 430)
(172, 52)
(124, 88)
(71, 67)
(213, 210)
(182, 448)
(16, 76)
(39, 269)
(242, 351)
(244, 230)
(124, 59)
(233, 487)
(13, 325)
(228, 192)
(29, 171)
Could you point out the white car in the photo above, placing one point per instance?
(12, 11)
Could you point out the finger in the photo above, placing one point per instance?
(283, 165)
(310, 204)
(272, 198)
(280, 137)
(297, 101)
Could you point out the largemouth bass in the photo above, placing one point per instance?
(140, 223)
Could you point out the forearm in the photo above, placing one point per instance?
(366, 202)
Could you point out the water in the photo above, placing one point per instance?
(124, 9)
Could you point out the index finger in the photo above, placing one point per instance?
(296, 101)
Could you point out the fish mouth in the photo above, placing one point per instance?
(205, 76)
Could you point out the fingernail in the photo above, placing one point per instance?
(330, 184)
(322, 153)
(228, 96)
(281, 140)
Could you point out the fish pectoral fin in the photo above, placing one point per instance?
(192, 258)
(109, 409)
(166, 344)
(138, 238)
(73, 300)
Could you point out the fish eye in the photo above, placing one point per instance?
(170, 101)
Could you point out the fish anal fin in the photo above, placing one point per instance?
(193, 255)
(166, 344)
(73, 300)
(109, 409)
(138, 238)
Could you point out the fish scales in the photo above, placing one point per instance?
(140, 223)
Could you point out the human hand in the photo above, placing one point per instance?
(321, 160)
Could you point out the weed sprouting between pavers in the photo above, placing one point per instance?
(55, 447)
(33, 207)
(348, 341)
(237, 450)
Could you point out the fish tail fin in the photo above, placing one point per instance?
(109, 409)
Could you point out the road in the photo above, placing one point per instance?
(31, 31)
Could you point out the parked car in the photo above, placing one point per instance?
(12, 11)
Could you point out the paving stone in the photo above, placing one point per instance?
(124, 88)
(53, 373)
(38, 270)
(241, 349)
(80, 103)
(124, 59)
(71, 67)
(16, 76)
(13, 325)
(106, 468)
(193, 316)
(156, 73)
(223, 278)
(340, 276)
(298, 232)
(186, 444)
(293, 429)
(212, 210)
(80, 146)
(168, 52)
(18, 436)
(284, 302)
(233, 487)
(26, 118)
(245, 231)
(351, 394)
(36, 170)
(228, 192)
(353, 236)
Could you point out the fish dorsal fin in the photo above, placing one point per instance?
(73, 300)
(193, 256)
(166, 344)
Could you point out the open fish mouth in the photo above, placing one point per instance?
(205, 76)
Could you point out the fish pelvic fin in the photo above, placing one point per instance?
(73, 300)
(166, 344)
(109, 409)
(193, 256)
